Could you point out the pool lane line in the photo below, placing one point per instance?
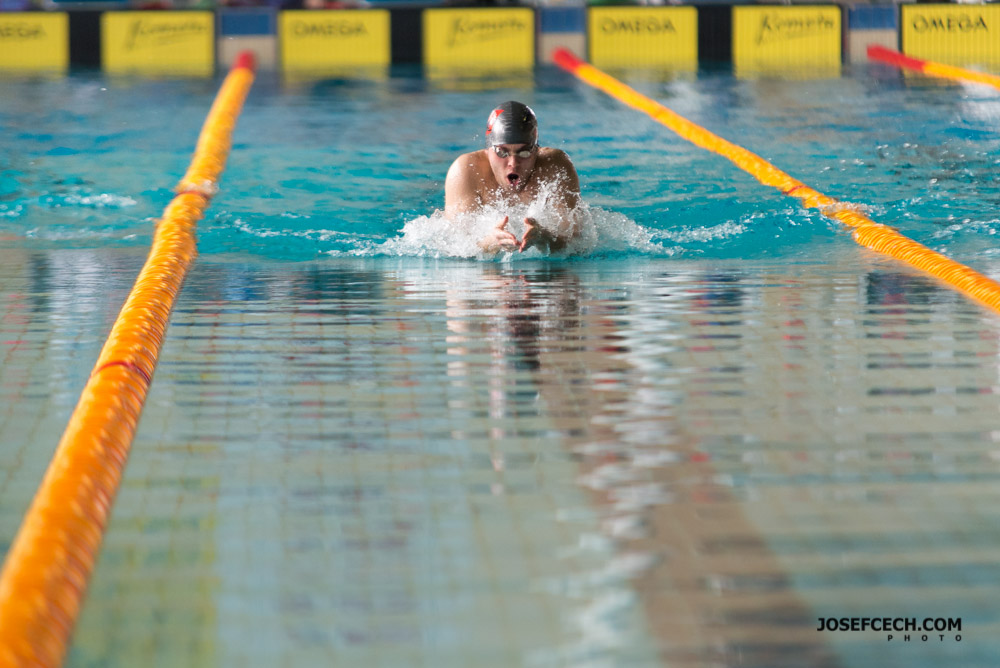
(45, 575)
(866, 232)
(931, 68)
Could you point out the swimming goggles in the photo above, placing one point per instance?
(523, 153)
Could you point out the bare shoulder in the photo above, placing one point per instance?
(553, 163)
(468, 167)
(464, 184)
(554, 156)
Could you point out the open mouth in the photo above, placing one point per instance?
(512, 179)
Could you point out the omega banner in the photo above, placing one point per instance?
(952, 34)
(793, 37)
(330, 40)
(158, 42)
(643, 36)
(479, 38)
(34, 41)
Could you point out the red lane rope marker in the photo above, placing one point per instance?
(896, 58)
(45, 575)
(192, 191)
(931, 68)
(867, 232)
(128, 365)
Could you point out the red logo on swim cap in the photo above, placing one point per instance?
(492, 120)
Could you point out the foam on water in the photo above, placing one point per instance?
(87, 199)
(435, 235)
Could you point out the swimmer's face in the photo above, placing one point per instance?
(512, 164)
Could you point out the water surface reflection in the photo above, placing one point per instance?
(578, 463)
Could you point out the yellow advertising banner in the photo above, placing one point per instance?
(330, 40)
(952, 34)
(503, 38)
(34, 41)
(643, 36)
(158, 42)
(787, 38)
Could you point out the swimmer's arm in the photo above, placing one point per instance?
(567, 205)
(461, 188)
(565, 208)
(462, 195)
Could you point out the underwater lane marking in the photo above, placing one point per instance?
(45, 575)
(867, 232)
(929, 67)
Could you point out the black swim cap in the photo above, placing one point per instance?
(512, 123)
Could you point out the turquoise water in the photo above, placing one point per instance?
(338, 168)
(367, 445)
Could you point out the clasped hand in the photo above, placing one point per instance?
(500, 238)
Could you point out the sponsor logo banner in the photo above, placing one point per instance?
(34, 41)
(159, 42)
(640, 36)
(793, 37)
(329, 40)
(953, 34)
(503, 38)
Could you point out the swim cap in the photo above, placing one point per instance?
(512, 123)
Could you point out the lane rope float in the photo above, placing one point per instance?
(866, 232)
(48, 566)
(930, 68)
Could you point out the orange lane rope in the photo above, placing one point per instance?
(46, 571)
(867, 232)
(929, 67)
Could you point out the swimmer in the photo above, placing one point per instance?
(511, 170)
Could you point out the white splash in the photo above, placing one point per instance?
(704, 234)
(7, 212)
(437, 236)
(93, 200)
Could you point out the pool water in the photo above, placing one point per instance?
(366, 444)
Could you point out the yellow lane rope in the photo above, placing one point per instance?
(867, 232)
(46, 571)
(930, 67)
